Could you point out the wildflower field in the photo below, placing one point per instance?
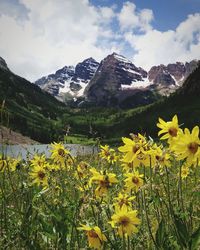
(143, 195)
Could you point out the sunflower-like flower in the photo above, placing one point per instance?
(95, 236)
(82, 169)
(105, 151)
(170, 129)
(132, 147)
(187, 145)
(123, 200)
(127, 166)
(142, 159)
(38, 160)
(59, 154)
(184, 171)
(103, 180)
(14, 164)
(125, 221)
(3, 164)
(160, 157)
(108, 154)
(133, 181)
(39, 176)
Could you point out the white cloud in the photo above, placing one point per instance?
(56, 33)
(130, 18)
(156, 47)
(14, 9)
(107, 14)
(38, 37)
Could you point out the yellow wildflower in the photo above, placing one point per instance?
(3, 164)
(39, 176)
(104, 181)
(82, 169)
(94, 235)
(38, 160)
(127, 166)
(125, 221)
(59, 154)
(184, 171)
(105, 151)
(187, 145)
(160, 157)
(170, 129)
(142, 159)
(108, 154)
(123, 199)
(131, 149)
(133, 181)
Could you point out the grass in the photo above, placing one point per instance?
(44, 202)
(79, 139)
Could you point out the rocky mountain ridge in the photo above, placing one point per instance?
(113, 80)
(69, 80)
(3, 64)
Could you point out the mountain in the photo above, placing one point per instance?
(28, 109)
(115, 82)
(185, 102)
(167, 78)
(3, 65)
(69, 81)
(114, 74)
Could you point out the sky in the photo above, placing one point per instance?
(38, 37)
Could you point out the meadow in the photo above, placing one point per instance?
(141, 195)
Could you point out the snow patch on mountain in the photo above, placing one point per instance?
(121, 58)
(139, 84)
(69, 79)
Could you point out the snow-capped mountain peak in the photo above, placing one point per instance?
(101, 82)
(69, 81)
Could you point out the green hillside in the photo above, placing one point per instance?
(27, 109)
(40, 116)
(111, 124)
(185, 103)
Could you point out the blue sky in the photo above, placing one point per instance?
(40, 36)
(168, 14)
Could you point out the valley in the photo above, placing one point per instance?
(97, 116)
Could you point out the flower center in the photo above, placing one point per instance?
(83, 166)
(173, 132)
(61, 152)
(135, 180)
(193, 147)
(105, 183)
(141, 156)
(124, 221)
(41, 175)
(112, 157)
(184, 172)
(159, 158)
(92, 234)
(136, 148)
(122, 202)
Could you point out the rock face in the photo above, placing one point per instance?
(86, 69)
(3, 64)
(172, 74)
(69, 80)
(113, 73)
(116, 81)
(167, 79)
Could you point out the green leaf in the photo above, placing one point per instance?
(195, 240)
(160, 234)
(181, 231)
